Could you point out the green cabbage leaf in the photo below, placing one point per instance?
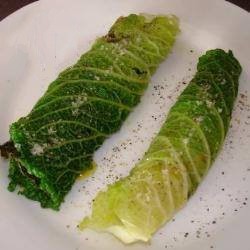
(88, 102)
(136, 206)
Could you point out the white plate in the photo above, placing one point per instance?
(41, 39)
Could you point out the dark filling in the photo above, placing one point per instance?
(138, 71)
(111, 38)
(8, 149)
(25, 173)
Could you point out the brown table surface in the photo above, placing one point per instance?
(9, 6)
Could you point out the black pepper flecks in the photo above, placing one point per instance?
(203, 229)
